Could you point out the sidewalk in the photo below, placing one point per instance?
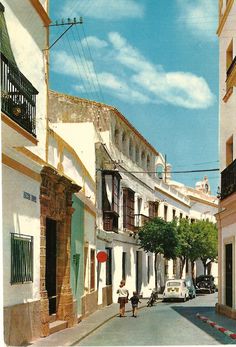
(72, 336)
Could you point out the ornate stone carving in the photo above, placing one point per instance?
(56, 203)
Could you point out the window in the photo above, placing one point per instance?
(192, 220)
(229, 151)
(148, 268)
(137, 155)
(186, 217)
(165, 212)
(148, 163)
(116, 136)
(124, 140)
(153, 209)
(173, 214)
(159, 171)
(109, 266)
(110, 199)
(92, 269)
(131, 149)
(21, 258)
(123, 265)
(180, 215)
(128, 208)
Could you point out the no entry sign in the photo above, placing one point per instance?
(102, 256)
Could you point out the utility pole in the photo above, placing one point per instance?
(69, 22)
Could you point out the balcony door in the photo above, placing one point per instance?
(228, 275)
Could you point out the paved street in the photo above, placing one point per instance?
(164, 324)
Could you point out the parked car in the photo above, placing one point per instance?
(191, 288)
(176, 289)
(205, 283)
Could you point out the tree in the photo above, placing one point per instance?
(205, 241)
(183, 248)
(159, 237)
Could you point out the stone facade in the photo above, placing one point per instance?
(56, 203)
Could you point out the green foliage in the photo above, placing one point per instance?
(159, 236)
(206, 242)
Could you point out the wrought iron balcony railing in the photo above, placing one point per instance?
(228, 180)
(18, 96)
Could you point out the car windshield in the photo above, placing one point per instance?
(173, 284)
(204, 278)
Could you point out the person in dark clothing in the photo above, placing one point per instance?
(134, 302)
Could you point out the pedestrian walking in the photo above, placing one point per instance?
(123, 296)
(134, 302)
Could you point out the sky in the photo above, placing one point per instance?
(156, 61)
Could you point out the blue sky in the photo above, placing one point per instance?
(156, 61)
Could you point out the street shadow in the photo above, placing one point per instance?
(189, 313)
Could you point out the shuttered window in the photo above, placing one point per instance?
(109, 266)
(128, 208)
(153, 209)
(123, 265)
(21, 258)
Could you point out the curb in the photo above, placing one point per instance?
(216, 326)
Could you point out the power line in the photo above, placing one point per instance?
(171, 172)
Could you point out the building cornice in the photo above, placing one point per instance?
(8, 121)
(224, 17)
(171, 196)
(111, 108)
(41, 11)
(205, 202)
(20, 168)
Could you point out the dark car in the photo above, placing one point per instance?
(205, 283)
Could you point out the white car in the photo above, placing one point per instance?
(176, 289)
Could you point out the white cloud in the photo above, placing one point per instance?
(128, 75)
(177, 88)
(200, 17)
(104, 9)
(94, 42)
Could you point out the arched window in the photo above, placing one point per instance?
(137, 154)
(124, 140)
(159, 171)
(148, 162)
(116, 136)
(131, 149)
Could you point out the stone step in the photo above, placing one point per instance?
(52, 318)
(57, 326)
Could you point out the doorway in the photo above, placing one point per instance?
(228, 275)
(139, 274)
(51, 251)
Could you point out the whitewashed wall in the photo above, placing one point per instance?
(28, 39)
(21, 216)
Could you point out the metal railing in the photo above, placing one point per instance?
(18, 96)
(228, 180)
(21, 258)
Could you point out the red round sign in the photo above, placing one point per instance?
(101, 256)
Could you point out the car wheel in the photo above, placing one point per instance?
(184, 299)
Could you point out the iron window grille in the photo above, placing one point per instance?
(21, 258)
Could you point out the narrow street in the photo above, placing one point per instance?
(171, 323)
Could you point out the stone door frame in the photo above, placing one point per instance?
(56, 203)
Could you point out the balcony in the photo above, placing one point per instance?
(140, 220)
(18, 96)
(228, 180)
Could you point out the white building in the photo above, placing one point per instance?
(226, 217)
(44, 259)
(129, 191)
